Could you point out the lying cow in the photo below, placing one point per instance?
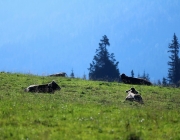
(136, 81)
(46, 88)
(133, 95)
(62, 74)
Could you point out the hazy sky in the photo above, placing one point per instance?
(50, 36)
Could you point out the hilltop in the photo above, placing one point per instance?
(86, 110)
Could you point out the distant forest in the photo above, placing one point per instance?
(104, 66)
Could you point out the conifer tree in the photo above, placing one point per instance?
(159, 82)
(84, 76)
(72, 74)
(132, 73)
(145, 76)
(164, 81)
(104, 65)
(173, 71)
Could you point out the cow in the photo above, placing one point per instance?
(62, 74)
(133, 95)
(136, 81)
(45, 88)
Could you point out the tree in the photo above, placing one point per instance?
(145, 76)
(178, 71)
(132, 73)
(72, 74)
(84, 76)
(164, 81)
(104, 65)
(159, 82)
(173, 71)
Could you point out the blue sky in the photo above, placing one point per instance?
(50, 36)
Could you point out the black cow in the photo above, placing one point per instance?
(133, 95)
(136, 81)
(46, 88)
(62, 74)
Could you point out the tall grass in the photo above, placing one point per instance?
(86, 110)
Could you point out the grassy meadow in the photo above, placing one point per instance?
(86, 110)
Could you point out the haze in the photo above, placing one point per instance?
(46, 37)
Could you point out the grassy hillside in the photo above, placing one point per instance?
(85, 110)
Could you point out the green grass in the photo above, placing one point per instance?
(85, 110)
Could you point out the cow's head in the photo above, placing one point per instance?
(123, 76)
(54, 85)
(132, 90)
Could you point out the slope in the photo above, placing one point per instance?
(85, 110)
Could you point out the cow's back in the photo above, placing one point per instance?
(43, 88)
(136, 81)
(31, 88)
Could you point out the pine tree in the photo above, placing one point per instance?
(132, 73)
(145, 76)
(72, 74)
(104, 65)
(159, 82)
(173, 71)
(84, 76)
(164, 81)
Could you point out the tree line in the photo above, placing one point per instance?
(105, 67)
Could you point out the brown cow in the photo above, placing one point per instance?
(46, 88)
(136, 81)
(133, 95)
(62, 74)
